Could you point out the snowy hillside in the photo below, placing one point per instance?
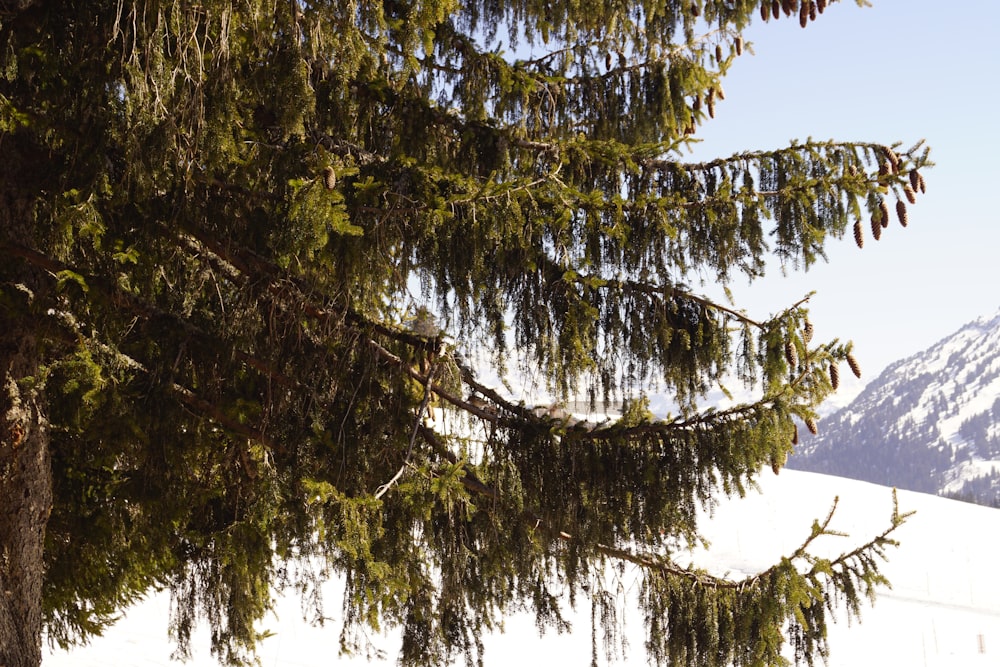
(943, 610)
(927, 423)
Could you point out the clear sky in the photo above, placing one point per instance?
(900, 70)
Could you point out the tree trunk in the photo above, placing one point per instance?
(25, 501)
(25, 464)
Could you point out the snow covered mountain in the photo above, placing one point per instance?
(943, 609)
(928, 423)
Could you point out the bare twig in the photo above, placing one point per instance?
(428, 393)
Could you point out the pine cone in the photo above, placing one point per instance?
(718, 53)
(834, 375)
(901, 212)
(859, 237)
(739, 46)
(329, 178)
(795, 434)
(765, 11)
(811, 425)
(876, 227)
(920, 182)
(853, 363)
(820, 5)
(884, 211)
(776, 9)
(804, 13)
(911, 196)
(807, 332)
(893, 160)
(812, 11)
(791, 356)
(914, 179)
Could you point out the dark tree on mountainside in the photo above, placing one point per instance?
(223, 227)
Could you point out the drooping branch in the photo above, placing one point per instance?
(208, 410)
(133, 304)
(669, 292)
(658, 562)
(506, 412)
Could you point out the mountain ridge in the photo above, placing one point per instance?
(929, 422)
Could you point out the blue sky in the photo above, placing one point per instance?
(900, 70)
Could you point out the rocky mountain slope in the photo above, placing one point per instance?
(928, 423)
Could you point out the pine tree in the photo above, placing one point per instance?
(245, 247)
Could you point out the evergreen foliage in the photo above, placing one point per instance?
(216, 217)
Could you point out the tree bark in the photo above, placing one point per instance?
(26, 490)
(25, 501)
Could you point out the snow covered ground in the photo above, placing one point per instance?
(943, 609)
